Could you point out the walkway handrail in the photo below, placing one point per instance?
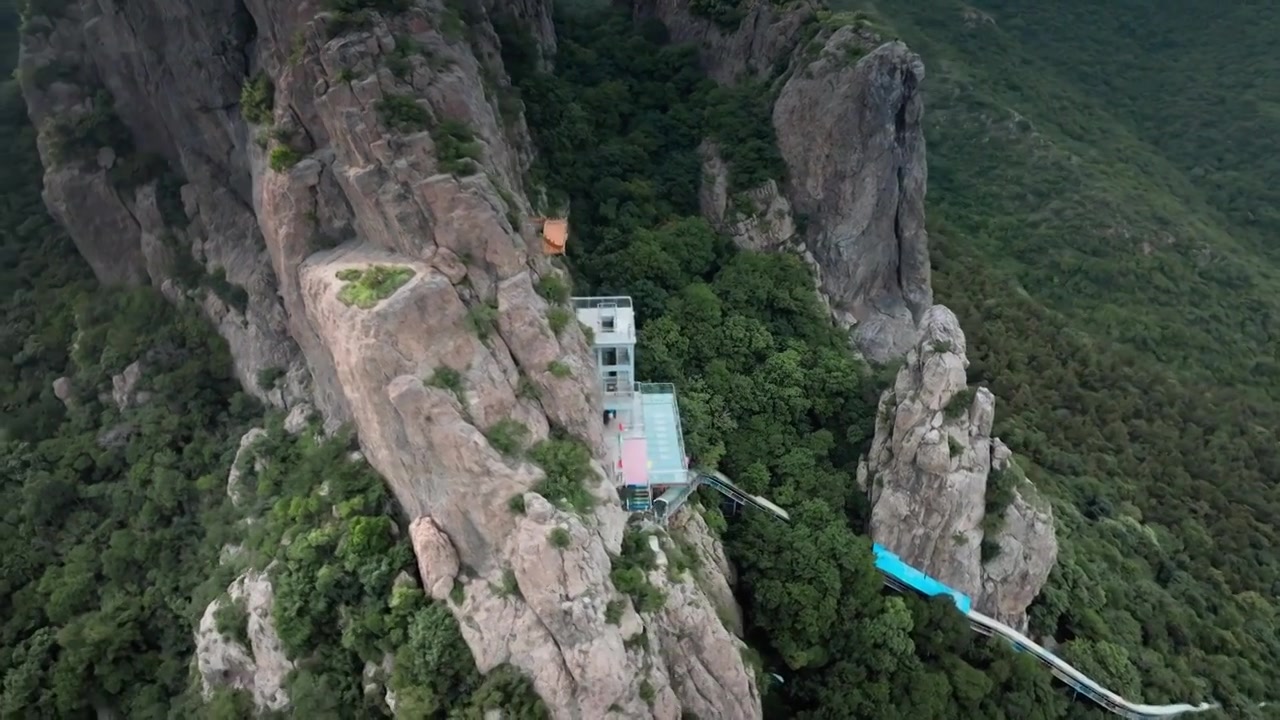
(1061, 669)
(718, 481)
(1070, 675)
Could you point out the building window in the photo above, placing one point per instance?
(606, 323)
(624, 356)
(609, 356)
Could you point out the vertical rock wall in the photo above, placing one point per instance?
(927, 477)
(377, 141)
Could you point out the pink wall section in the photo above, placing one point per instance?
(635, 461)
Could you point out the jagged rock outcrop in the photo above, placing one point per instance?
(262, 666)
(927, 477)
(764, 35)
(847, 119)
(758, 219)
(245, 455)
(172, 74)
(65, 390)
(714, 574)
(377, 680)
(437, 560)
(851, 137)
(556, 595)
(337, 164)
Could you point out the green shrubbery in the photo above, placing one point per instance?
(553, 289)
(232, 619)
(366, 288)
(403, 113)
(77, 139)
(558, 318)
(284, 157)
(507, 436)
(457, 150)
(566, 464)
(449, 379)
(258, 99)
(630, 572)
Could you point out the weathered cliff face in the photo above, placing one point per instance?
(847, 119)
(764, 35)
(174, 72)
(365, 204)
(554, 600)
(929, 476)
(851, 137)
(257, 663)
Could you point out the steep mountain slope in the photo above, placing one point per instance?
(1102, 227)
(286, 131)
(340, 188)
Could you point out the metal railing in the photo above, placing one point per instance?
(614, 386)
(607, 301)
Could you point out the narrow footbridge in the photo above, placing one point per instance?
(905, 578)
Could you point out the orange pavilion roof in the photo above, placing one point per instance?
(555, 233)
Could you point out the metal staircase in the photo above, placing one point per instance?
(639, 499)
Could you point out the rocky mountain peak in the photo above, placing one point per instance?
(946, 496)
(846, 115)
(848, 125)
(847, 118)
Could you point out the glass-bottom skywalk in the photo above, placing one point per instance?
(652, 447)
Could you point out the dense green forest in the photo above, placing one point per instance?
(768, 387)
(1101, 199)
(1134, 373)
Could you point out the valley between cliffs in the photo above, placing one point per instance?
(347, 194)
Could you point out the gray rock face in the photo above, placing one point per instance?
(766, 35)
(262, 666)
(691, 663)
(362, 194)
(244, 456)
(851, 137)
(847, 120)
(174, 71)
(927, 475)
(65, 391)
(124, 387)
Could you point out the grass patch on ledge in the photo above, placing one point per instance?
(366, 288)
(630, 572)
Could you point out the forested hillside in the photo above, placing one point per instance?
(1101, 212)
(1103, 205)
(767, 393)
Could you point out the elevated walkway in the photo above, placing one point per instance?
(902, 577)
(1077, 680)
(717, 481)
